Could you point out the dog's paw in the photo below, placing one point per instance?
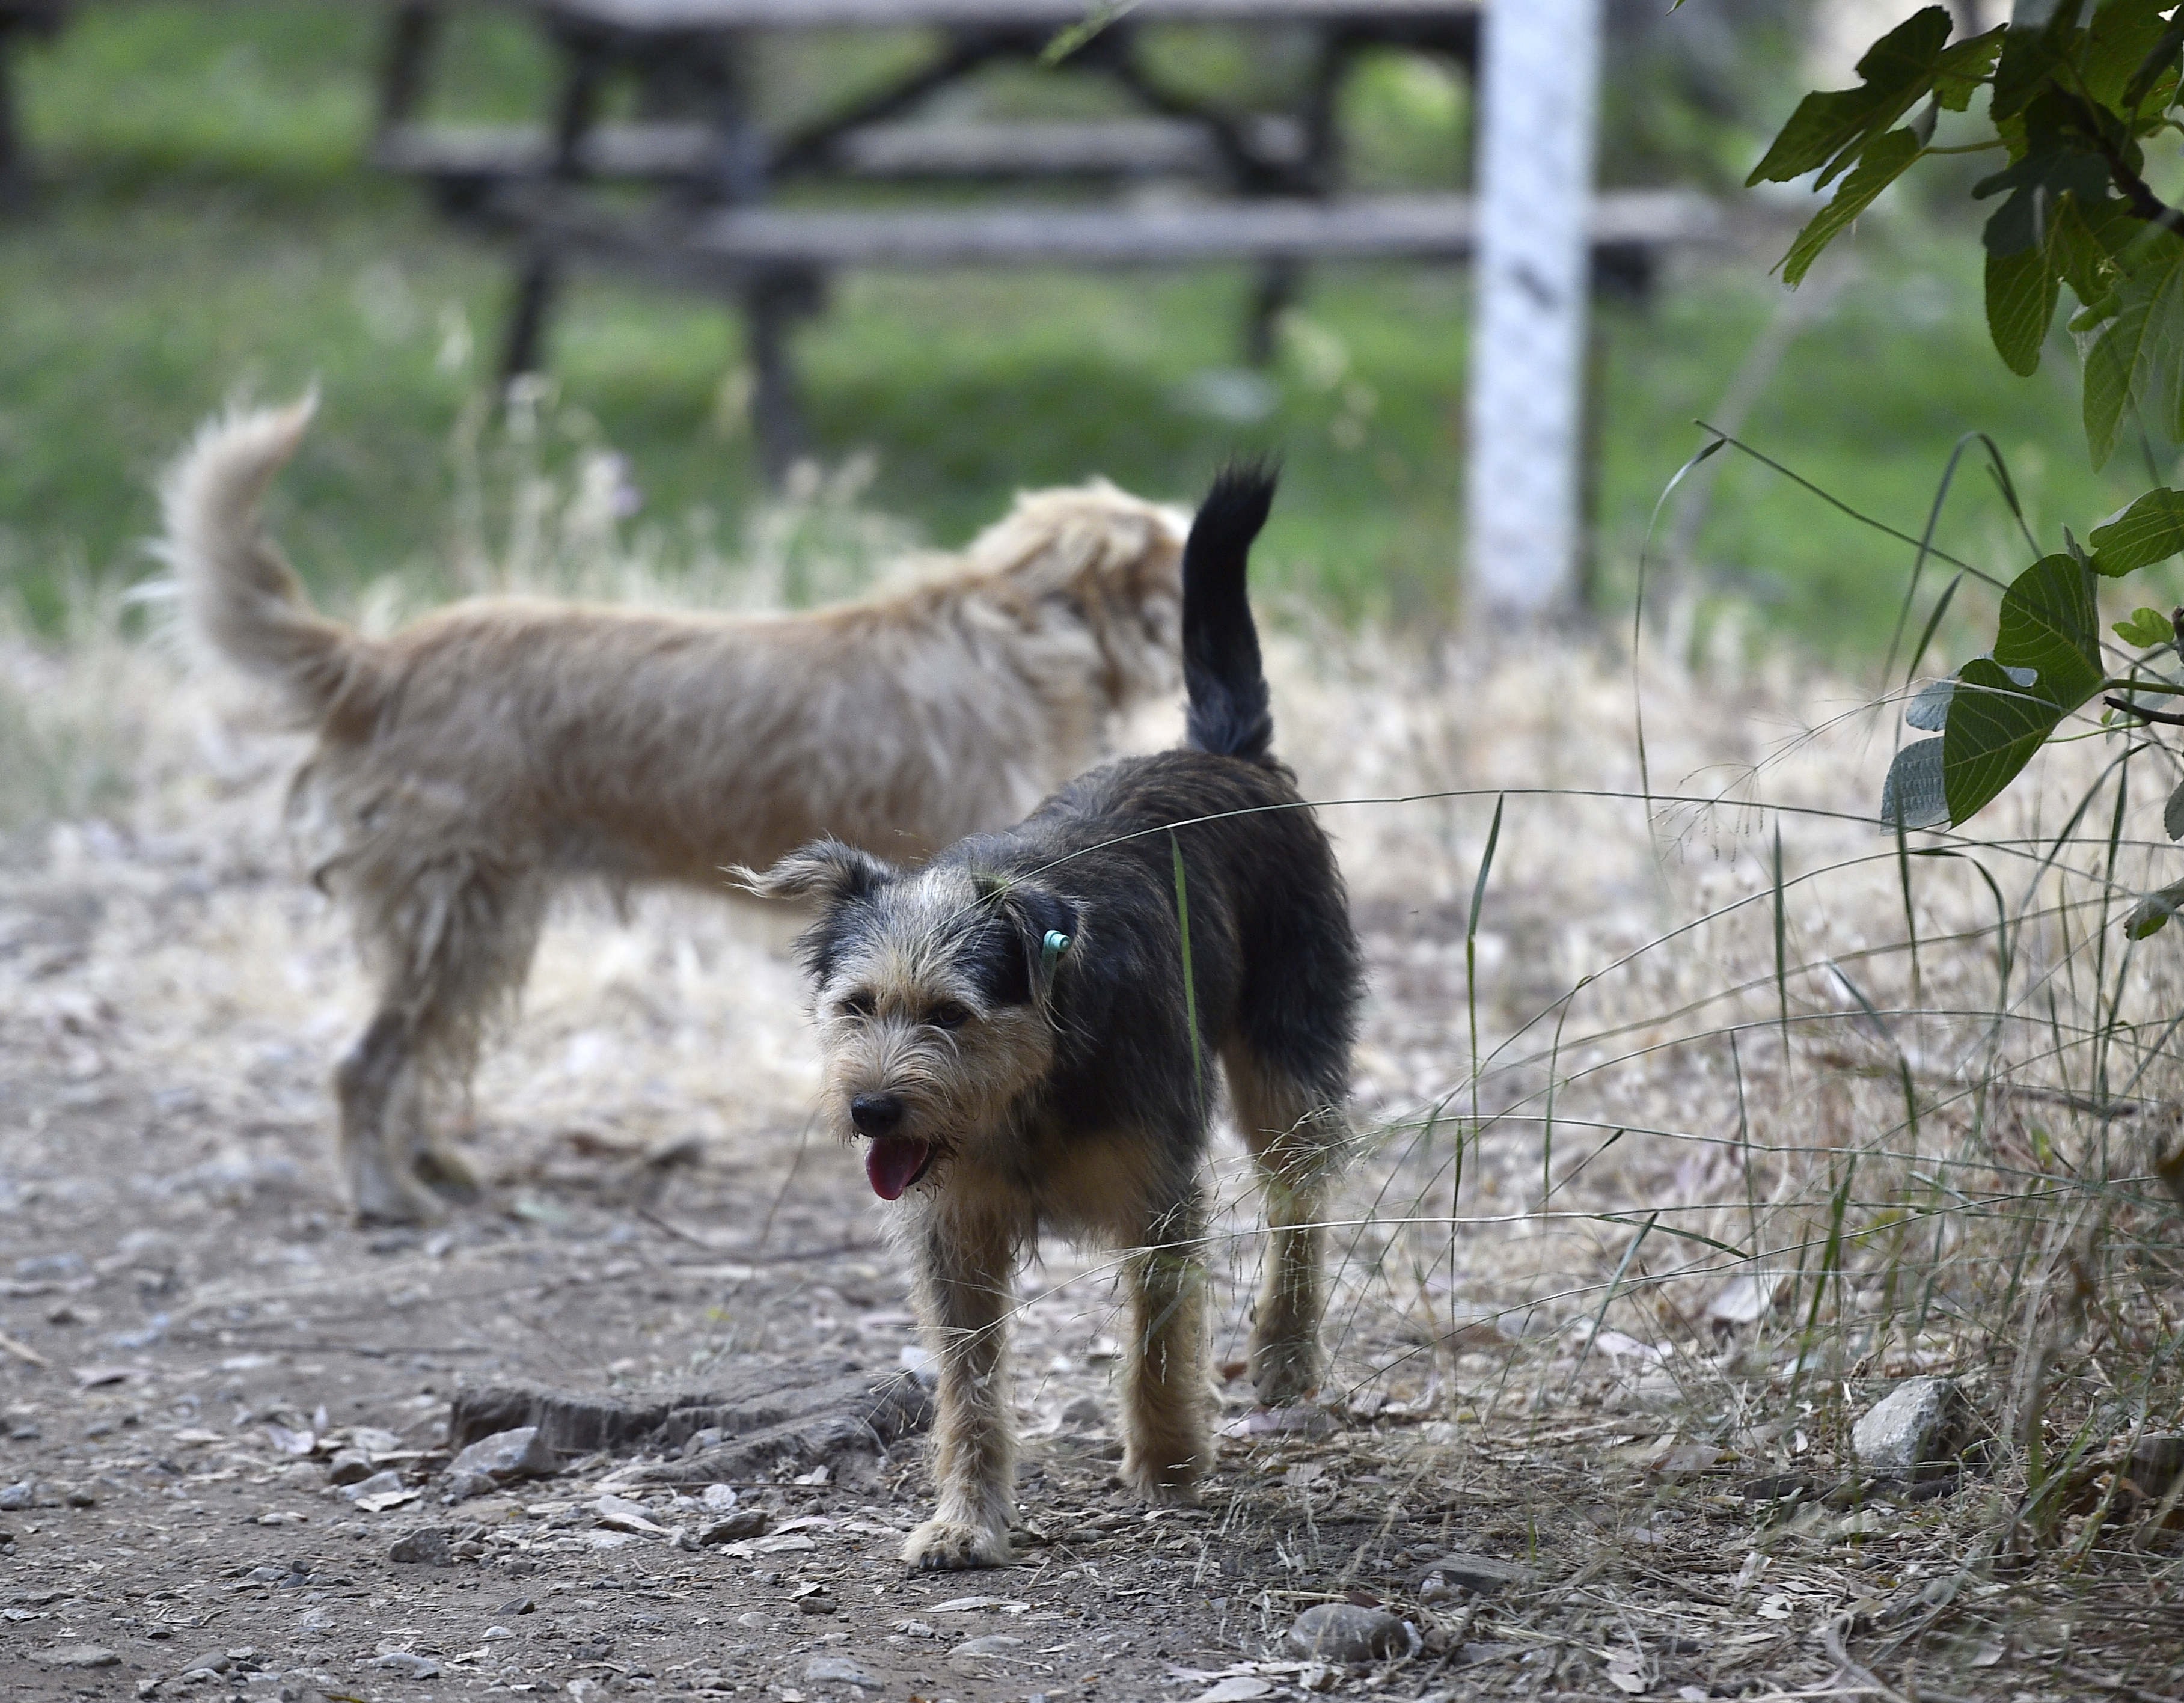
(446, 1174)
(384, 1198)
(1167, 1484)
(1283, 1373)
(946, 1546)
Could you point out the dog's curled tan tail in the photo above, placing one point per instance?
(241, 601)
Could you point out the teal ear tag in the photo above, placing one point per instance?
(1050, 951)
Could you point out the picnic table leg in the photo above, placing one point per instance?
(410, 39)
(14, 157)
(539, 281)
(11, 150)
(1279, 284)
(772, 303)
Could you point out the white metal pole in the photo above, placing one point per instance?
(1537, 95)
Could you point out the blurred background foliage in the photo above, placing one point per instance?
(205, 226)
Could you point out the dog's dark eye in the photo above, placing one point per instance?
(857, 1004)
(949, 1015)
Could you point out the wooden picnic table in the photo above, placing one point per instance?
(1269, 183)
(19, 20)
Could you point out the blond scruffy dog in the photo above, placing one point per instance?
(1024, 1030)
(471, 763)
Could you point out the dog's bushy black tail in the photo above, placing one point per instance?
(1228, 715)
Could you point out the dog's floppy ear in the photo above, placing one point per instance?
(825, 869)
(1045, 923)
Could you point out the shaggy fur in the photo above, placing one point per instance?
(471, 763)
(1011, 1029)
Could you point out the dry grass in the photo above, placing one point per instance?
(1767, 1111)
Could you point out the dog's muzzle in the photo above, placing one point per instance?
(894, 1161)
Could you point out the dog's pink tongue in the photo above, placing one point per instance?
(893, 1162)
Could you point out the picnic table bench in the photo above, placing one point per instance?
(1269, 182)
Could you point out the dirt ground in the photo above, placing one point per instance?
(194, 1332)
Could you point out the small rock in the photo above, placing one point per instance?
(214, 1662)
(17, 1497)
(1082, 1414)
(521, 1604)
(719, 1498)
(817, 1603)
(76, 1655)
(386, 1483)
(744, 1522)
(1483, 1574)
(2155, 1464)
(620, 1514)
(839, 1670)
(982, 1658)
(348, 1467)
(407, 1663)
(1342, 1632)
(1917, 1427)
(493, 1632)
(430, 1545)
(506, 1456)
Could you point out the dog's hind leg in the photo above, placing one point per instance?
(965, 1263)
(1164, 1447)
(378, 1089)
(448, 941)
(1298, 1140)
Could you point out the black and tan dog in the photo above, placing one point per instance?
(1011, 1028)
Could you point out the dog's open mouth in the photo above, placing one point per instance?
(895, 1162)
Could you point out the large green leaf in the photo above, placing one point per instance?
(1885, 161)
(2021, 293)
(1962, 66)
(2149, 530)
(2038, 42)
(2076, 251)
(1995, 727)
(2125, 363)
(2124, 32)
(2046, 663)
(1829, 124)
(2050, 624)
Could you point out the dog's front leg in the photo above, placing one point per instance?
(1164, 1447)
(963, 1297)
(377, 1087)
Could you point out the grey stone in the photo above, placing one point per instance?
(1483, 1574)
(744, 1522)
(211, 1661)
(378, 1484)
(429, 1546)
(1082, 1414)
(1916, 1426)
(407, 1663)
(348, 1467)
(18, 1496)
(76, 1655)
(839, 1670)
(994, 1643)
(1343, 1632)
(2155, 1464)
(507, 1456)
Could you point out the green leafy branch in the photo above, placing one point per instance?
(2074, 93)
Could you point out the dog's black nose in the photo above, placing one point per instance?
(875, 1115)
